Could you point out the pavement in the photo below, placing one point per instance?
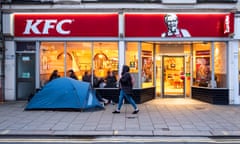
(158, 117)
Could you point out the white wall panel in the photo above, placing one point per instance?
(10, 77)
(7, 24)
(233, 72)
(237, 26)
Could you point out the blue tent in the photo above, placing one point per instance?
(64, 93)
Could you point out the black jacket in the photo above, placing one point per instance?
(126, 83)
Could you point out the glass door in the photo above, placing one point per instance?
(25, 75)
(173, 76)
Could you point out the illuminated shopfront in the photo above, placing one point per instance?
(184, 66)
(169, 66)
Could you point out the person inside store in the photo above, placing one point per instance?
(86, 77)
(72, 74)
(126, 90)
(101, 83)
(171, 21)
(94, 80)
(54, 75)
(111, 80)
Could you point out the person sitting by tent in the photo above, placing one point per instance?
(72, 74)
(54, 75)
(99, 83)
(96, 84)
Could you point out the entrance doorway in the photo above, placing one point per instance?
(173, 76)
(25, 75)
(173, 69)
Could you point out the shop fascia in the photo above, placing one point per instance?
(135, 25)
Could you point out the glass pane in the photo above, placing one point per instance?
(201, 64)
(79, 57)
(105, 58)
(25, 75)
(51, 58)
(220, 64)
(147, 65)
(173, 76)
(158, 60)
(132, 60)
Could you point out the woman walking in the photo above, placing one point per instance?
(126, 91)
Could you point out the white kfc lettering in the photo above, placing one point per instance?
(59, 26)
(227, 24)
(49, 24)
(32, 26)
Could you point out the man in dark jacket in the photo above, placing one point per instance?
(126, 91)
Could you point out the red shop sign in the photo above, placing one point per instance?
(179, 25)
(62, 25)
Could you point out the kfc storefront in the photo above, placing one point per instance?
(181, 55)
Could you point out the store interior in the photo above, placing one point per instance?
(171, 67)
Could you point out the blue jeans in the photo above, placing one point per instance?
(129, 99)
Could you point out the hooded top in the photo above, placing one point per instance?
(126, 80)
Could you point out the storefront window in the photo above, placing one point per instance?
(105, 58)
(147, 64)
(220, 64)
(201, 64)
(203, 68)
(132, 60)
(51, 58)
(79, 56)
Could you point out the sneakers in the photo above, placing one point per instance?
(135, 112)
(116, 112)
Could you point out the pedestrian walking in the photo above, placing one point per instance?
(126, 90)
